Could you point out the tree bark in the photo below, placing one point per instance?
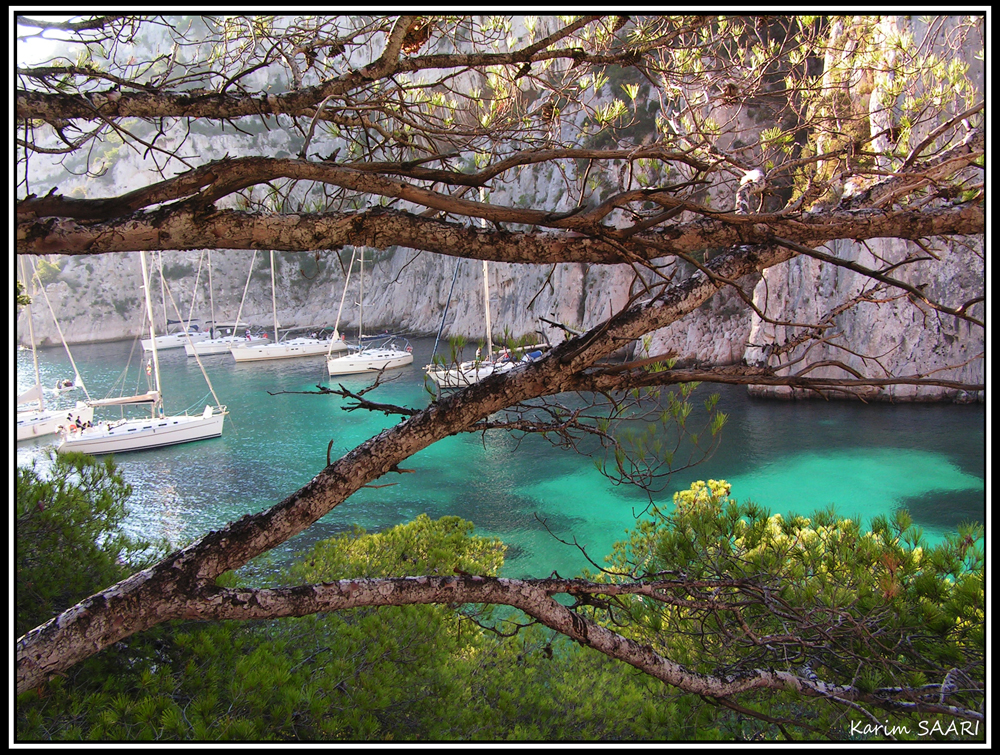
(186, 212)
(170, 588)
(534, 597)
(188, 228)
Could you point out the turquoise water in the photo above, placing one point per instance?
(791, 457)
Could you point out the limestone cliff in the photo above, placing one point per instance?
(99, 298)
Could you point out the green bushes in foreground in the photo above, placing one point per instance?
(69, 542)
(444, 673)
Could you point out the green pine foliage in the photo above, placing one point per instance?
(47, 272)
(889, 609)
(875, 610)
(69, 544)
(378, 674)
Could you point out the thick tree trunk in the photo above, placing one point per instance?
(49, 224)
(172, 588)
(230, 229)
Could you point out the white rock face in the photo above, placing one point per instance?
(886, 333)
(715, 334)
(99, 298)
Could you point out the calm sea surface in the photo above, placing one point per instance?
(791, 457)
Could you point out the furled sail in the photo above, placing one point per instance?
(32, 394)
(150, 397)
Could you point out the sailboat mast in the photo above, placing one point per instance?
(451, 291)
(246, 286)
(152, 329)
(361, 298)
(77, 379)
(163, 294)
(336, 325)
(194, 294)
(486, 298)
(274, 304)
(486, 289)
(211, 295)
(31, 337)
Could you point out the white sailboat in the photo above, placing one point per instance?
(385, 355)
(176, 340)
(472, 371)
(469, 372)
(190, 333)
(290, 348)
(225, 343)
(151, 432)
(35, 421)
(232, 339)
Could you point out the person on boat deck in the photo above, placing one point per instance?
(479, 355)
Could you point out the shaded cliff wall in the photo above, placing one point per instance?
(886, 333)
(99, 298)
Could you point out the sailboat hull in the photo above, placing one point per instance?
(466, 373)
(141, 434)
(369, 360)
(173, 340)
(222, 345)
(36, 424)
(297, 347)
